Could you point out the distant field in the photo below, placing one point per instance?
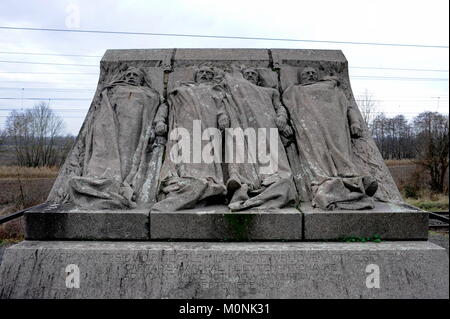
(403, 170)
(401, 162)
(36, 184)
(28, 172)
(35, 191)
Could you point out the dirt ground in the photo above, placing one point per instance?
(35, 190)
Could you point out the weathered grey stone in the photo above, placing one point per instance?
(332, 63)
(218, 223)
(153, 57)
(225, 270)
(122, 131)
(326, 126)
(249, 57)
(52, 222)
(116, 160)
(295, 56)
(389, 221)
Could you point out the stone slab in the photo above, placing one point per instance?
(249, 57)
(389, 221)
(127, 55)
(225, 270)
(52, 222)
(218, 223)
(290, 56)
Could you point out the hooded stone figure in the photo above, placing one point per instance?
(119, 145)
(263, 180)
(196, 113)
(325, 123)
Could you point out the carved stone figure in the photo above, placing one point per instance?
(266, 180)
(119, 145)
(325, 123)
(195, 109)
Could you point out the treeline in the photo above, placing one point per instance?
(36, 136)
(424, 140)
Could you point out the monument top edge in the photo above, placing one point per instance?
(223, 54)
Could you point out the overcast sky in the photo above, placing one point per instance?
(402, 22)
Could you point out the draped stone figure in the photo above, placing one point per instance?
(128, 125)
(325, 123)
(195, 109)
(264, 181)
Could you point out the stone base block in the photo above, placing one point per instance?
(387, 220)
(57, 269)
(53, 222)
(218, 223)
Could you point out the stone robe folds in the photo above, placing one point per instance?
(320, 117)
(256, 107)
(116, 159)
(191, 182)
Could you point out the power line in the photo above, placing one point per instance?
(224, 37)
(53, 109)
(49, 63)
(50, 73)
(371, 77)
(51, 54)
(396, 69)
(441, 98)
(99, 56)
(45, 99)
(64, 117)
(354, 67)
(34, 81)
(51, 89)
(396, 78)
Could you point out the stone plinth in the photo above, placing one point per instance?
(389, 221)
(53, 222)
(218, 223)
(33, 269)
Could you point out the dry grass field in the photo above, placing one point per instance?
(22, 187)
(28, 172)
(412, 182)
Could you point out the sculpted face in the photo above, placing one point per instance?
(133, 78)
(309, 75)
(204, 74)
(251, 75)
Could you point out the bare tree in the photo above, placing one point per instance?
(2, 137)
(368, 106)
(394, 137)
(432, 143)
(34, 134)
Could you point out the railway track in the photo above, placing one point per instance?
(439, 221)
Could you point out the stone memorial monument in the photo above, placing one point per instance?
(224, 173)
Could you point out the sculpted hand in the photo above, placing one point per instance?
(281, 122)
(223, 122)
(160, 128)
(356, 130)
(288, 131)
